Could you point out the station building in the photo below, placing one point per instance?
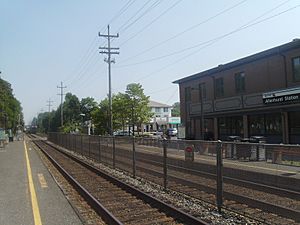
(258, 95)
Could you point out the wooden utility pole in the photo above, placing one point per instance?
(61, 103)
(49, 108)
(108, 50)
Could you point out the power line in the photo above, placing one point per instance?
(213, 41)
(151, 7)
(122, 10)
(175, 92)
(93, 60)
(209, 42)
(82, 60)
(128, 20)
(88, 55)
(178, 34)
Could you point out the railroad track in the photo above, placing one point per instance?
(261, 202)
(115, 201)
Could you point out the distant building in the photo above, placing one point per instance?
(162, 118)
(258, 95)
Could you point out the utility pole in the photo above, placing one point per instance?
(49, 107)
(61, 103)
(109, 52)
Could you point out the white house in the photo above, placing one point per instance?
(162, 118)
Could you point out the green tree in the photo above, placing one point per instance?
(121, 111)
(10, 108)
(100, 117)
(71, 109)
(176, 109)
(87, 105)
(138, 102)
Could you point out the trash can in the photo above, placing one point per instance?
(243, 150)
(258, 151)
(231, 148)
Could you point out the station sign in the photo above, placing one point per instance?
(189, 154)
(174, 120)
(290, 95)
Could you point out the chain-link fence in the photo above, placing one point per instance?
(191, 166)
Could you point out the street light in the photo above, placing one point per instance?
(83, 115)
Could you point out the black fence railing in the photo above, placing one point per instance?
(161, 161)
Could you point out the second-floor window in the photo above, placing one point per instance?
(239, 82)
(219, 87)
(187, 93)
(296, 68)
(166, 109)
(157, 110)
(202, 91)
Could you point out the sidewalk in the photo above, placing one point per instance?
(18, 204)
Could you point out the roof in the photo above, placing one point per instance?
(157, 104)
(267, 53)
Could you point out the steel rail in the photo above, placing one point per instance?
(269, 207)
(167, 208)
(93, 202)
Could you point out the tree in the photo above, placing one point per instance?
(138, 102)
(100, 117)
(71, 109)
(176, 109)
(10, 108)
(87, 105)
(121, 111)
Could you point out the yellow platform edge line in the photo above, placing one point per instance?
(34, 202)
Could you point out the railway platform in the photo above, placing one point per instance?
(262, 166)
(28, 193)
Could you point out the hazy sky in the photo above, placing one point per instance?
(45, 42)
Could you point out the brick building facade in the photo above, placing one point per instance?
(258, 95)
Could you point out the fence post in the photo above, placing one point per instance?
(219, 176)
(69, 141)
(75, 139)
(99, 149)
(89, 146)
(165, 144)
(257, 152)
(81, 137)
(133, 157)
(114, 153)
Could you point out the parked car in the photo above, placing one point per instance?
(122, 133)
(171, 131)
(156, 134)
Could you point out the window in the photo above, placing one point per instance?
(294, 119)
(219, 87)
(296, 68)
(239, 82)
(202, 90)
(265, 124)
(230, 126)
(166, 109)
(187, 93)
(294, 125)
(157, 109)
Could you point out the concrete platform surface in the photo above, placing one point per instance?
(19, 204)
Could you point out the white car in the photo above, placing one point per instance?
(172, 132)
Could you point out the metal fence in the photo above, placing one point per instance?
(188, 165)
